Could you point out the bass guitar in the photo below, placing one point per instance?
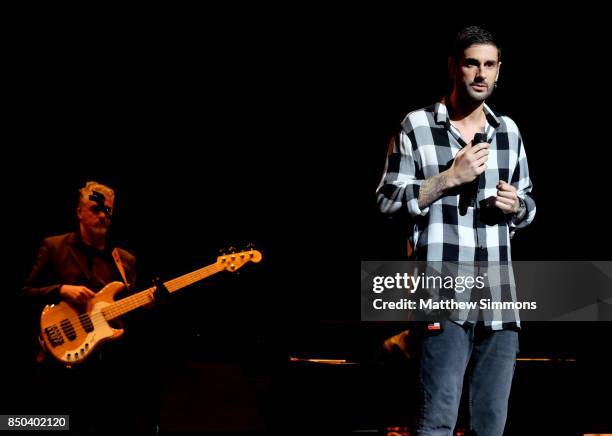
(71, 335)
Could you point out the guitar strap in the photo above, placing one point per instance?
(119, 264)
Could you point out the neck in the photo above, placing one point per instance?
(466, 111)
(96, 241)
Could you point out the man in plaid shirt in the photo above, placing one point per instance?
(460, 171)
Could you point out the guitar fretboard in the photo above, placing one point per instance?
(141, 298)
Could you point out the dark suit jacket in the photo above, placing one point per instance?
(63, 260)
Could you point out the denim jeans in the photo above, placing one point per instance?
(487, 360)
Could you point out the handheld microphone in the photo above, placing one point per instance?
(478, 138)
(468, 196)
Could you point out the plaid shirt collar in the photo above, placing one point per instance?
(441, 114)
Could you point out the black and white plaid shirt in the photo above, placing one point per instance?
(459, 226)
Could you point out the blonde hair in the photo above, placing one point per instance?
(92, 186)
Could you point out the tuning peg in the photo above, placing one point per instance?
(222, 252)
(231, 250)
(250, 246)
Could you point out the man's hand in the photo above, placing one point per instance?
(78, 295)
(506, 199)
(150, 304)
(469, 163)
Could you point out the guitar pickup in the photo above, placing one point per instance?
(86, 323)
(68, 329)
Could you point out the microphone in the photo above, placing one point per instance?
(478, 138)
(468, 196)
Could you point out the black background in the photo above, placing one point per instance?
(227, 127)
(276, 134)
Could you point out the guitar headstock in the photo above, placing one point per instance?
(233, 260)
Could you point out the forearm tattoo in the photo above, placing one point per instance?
(432, 189)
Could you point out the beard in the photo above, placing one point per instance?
(98, 230)
(472, 95)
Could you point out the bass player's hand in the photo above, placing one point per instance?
(78, 295)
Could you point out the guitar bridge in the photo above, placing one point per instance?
(54, 335)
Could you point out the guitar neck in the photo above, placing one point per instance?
(142, 298)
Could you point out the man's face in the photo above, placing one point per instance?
(92, 217)
(477, 71)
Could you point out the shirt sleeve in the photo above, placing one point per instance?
(402, 178)
(522, 182)
(40, 284)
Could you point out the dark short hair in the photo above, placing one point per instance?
(471, 35)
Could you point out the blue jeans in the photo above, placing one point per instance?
(486, 358)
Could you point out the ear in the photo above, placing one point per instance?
(79, 212)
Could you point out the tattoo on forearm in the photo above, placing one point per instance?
(432, 189)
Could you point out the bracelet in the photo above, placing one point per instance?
(520, 213)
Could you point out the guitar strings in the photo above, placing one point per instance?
(122, 306)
